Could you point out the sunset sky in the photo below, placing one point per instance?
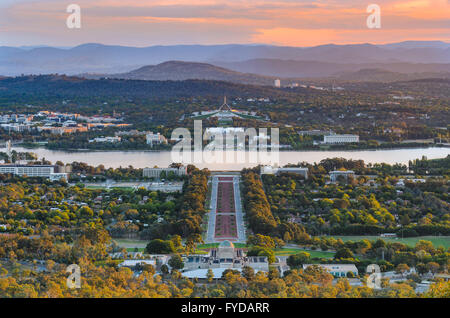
(167, 22)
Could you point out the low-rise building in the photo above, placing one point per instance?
(336, 175)
(155, 139)
(156, 172)
(278, 171)
(337, 270)
(314, 132)
(106, 139)
(15, 127)
(340, 139)
(131, 263)
(45, 171)
(62, 130)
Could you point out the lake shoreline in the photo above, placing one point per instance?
(419, 146)
(240, 160)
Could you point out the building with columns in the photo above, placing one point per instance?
(341, 139)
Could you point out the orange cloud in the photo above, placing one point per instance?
(285, 22)
(308, 37)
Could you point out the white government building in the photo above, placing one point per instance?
(45, 171)
(277, 171)
(340, 139)
(156, 172)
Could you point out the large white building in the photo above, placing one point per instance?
(45, 171)
(15, 127)
(156, 172)
(340, 139)
(106, 139)
(277, 171)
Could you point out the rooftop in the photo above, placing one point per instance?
(25, 166)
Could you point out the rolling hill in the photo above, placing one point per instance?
(181, 71)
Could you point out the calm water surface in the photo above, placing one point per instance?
(142, 159)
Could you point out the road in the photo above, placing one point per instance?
(242, 237)
(212, 211)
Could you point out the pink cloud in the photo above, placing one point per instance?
(201, 21)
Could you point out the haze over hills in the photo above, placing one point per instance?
(98, 58)
(382, 75)
(181, 71)
(302, 69)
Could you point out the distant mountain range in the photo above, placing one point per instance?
(181, 71)
(383, 75)
(265, 60)
(311, 69)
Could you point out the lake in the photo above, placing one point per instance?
(142, 159)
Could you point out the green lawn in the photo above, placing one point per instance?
(91, 187)
(291, 251)
(410, 241)
(200, 252)
(132, 249)
(215, 245)
(99, 187)
(131, 244)
(129, 189)
(279, 252)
